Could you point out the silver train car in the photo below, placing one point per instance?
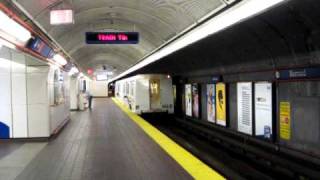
(146, 93)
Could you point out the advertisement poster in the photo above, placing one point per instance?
(244, 104)
(211, 103)
(221, 104)
(263, 109)
(285, 120)
(188, 98)
(195, 100)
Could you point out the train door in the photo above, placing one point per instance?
(155, 94)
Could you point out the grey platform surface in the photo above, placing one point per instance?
(102, 144)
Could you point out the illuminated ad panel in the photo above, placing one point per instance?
(188, 98)
(263, 109)
(195, 100)
(211, 103)
(244, 104)
(61, 16)
(112, 37)
(221, 101)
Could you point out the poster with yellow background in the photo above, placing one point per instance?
(285, 120)
(221, 104)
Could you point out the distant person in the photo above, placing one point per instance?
(90, 100)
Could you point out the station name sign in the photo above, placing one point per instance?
(301, 73)
(112, 37)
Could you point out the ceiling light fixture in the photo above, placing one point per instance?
(235, 14)
(60, 59)
(10, 29)
(73, 70)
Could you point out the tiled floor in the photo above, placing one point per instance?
(101, 144)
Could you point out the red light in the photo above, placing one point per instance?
(90, 71)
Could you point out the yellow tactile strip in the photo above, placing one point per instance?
(196, 168)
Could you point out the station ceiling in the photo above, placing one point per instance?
(157, 21)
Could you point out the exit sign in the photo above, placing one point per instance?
(112, 37)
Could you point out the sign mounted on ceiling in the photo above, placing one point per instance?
(61, 16)
(112, 37)
(39, 46)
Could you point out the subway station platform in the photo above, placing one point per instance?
(103, 143)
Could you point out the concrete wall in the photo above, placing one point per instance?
(13, 104)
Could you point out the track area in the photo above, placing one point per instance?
(226, 156)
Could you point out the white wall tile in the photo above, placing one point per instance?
(6, 116)
(20, 123)
(37, 88)
(5, 62)
(37, 69)
(5, 89)
(38, 120)
(19, 92)
(18, 62)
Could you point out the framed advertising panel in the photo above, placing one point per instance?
(195, 100)
(211, 103)
(221, 100)
(188, 99)
(244, 105)
(263, 109)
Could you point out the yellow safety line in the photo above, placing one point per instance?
(196, 168)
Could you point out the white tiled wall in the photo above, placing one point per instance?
(59, 113)
(5, 88)
(38, 120)
(24, 96)
(19, 99)
(38, 102)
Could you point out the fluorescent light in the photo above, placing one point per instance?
(12, 29)
(64, 16)
(102, 77)
(73, 70)
(7, 44)
(60, 59)
(235, 14)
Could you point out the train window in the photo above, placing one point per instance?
(155, 94)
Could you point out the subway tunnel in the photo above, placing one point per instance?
(159, 89)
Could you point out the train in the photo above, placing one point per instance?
(146, 93)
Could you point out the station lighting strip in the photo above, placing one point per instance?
(235, 14)
(9, 29)
(13, 34)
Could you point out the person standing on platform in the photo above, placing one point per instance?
(90, 100)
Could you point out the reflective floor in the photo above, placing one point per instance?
(99, 144)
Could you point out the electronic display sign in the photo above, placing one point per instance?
(112, 37)
(39, 46)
